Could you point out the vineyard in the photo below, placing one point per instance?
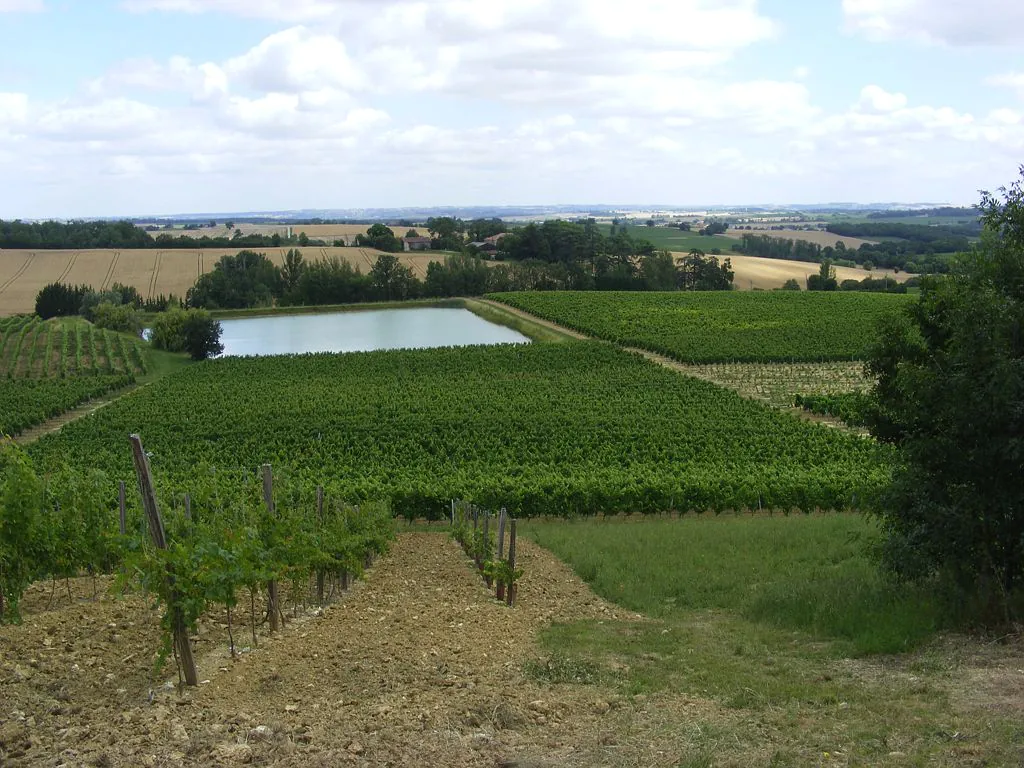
(721, 327)
(850, 407)
(233, 531)
(779, 383)
(50, 367)
(515, 427)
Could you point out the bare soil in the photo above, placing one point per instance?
(417, 665)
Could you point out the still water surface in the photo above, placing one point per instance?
(362, 332)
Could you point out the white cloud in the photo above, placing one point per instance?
(106, 120)
(952, 22)
(390, 102)
(13, 107)
(876, 99)
(127, 165)
(297, 60)
(1012, 80)
(202, 82)
(21, 6)
(295, 10)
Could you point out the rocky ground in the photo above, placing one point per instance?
(415, 665)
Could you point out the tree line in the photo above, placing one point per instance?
(446, 233)
(909, 255)
(81, 235)
(250, 279)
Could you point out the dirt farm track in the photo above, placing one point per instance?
(153, 272)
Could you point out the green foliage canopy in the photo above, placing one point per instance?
(950, 393)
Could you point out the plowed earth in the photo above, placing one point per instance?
(415, 665)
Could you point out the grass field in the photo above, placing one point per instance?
(721, 326)
(804, 572)
(757, 640)
(152, 272)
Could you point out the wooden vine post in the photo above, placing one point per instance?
(268, 499)
(122, 508)
(501, 551)
(512, 588)
(487, 541)
(156, 532)
(320, 573)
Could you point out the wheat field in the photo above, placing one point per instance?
(754, 273)
(155, 273)
(152, 272)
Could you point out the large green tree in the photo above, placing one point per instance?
(950, 393)
(390, 280)
(247, 279)
(381, 237)
(446, 233)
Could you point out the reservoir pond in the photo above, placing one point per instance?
(361, 331)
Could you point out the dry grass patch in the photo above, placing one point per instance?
(753, 273)
(778, 383)
(817, 237)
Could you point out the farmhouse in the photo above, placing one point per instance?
(484, 245)
(495, 239)
(416, 243)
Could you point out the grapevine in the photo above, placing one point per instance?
(695, 327)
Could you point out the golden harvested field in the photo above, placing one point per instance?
(152, 272)
(155, 273)
(316, 231)
(753, 272)
(820, 238)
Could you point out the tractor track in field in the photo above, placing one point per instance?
(21, 270)
(155, 276)
(69, 267)
(110, 271)
(366, 257)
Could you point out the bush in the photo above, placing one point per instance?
(193, 331)
(92, 299)
(168, 330)
(202, 335)
(117, 317)
(60, 300)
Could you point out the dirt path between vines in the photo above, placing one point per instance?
(671, 364)
(416, 665)
(534, 319)
(57, 423)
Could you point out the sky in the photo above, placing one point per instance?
(146, 107)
